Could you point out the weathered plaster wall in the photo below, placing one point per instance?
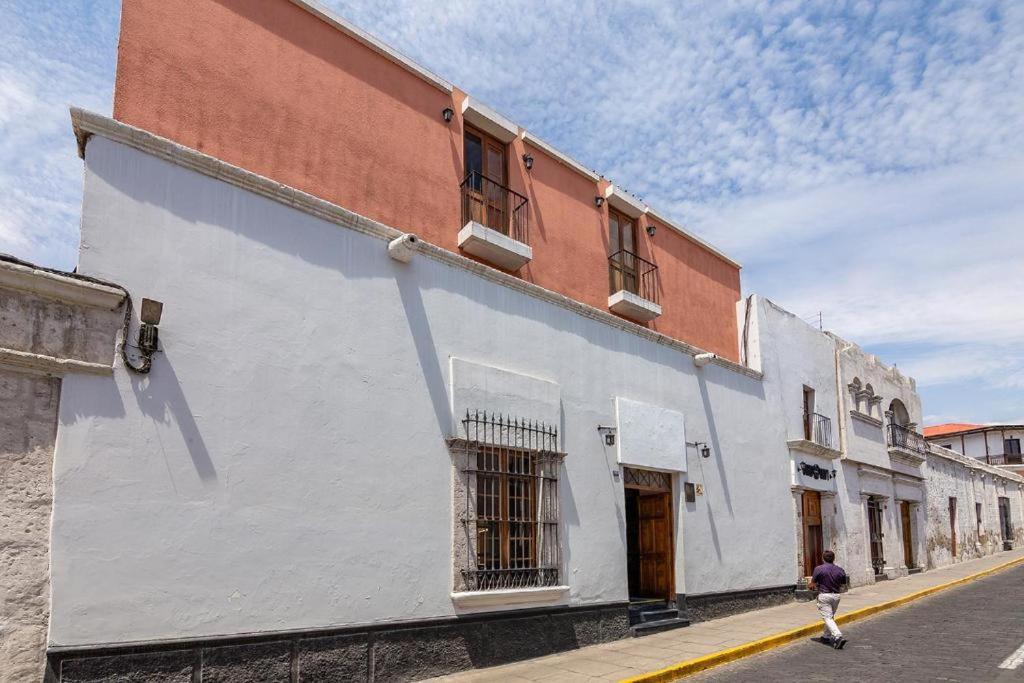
(39, 331)
(272, 88)
(950, 476)
(285, 466)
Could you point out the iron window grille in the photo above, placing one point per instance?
(511, 509)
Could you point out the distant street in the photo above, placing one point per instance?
(963, 634)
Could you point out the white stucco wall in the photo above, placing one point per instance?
(284, 464)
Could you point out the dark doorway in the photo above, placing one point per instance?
(952, 525)
(1005, 526)
(875, 535)
(650, 558)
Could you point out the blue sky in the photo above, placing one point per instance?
(861, 159)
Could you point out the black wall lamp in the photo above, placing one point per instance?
(149, 337)
(702, 448)
(447, 114)
(608, 433)
(651, 230)
(598, 201)
(528, 161)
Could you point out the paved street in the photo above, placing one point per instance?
(958, 635)
(975, 626)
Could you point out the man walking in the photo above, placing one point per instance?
(828, 579)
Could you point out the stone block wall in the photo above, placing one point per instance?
(28, 422)
(50, 324)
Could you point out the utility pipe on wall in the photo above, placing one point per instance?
(402, 248)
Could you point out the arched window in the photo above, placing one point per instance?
(899, 413)
(855, 394)
(869, 400)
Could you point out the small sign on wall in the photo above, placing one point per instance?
(650, 436)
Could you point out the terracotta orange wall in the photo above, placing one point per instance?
(273, 89)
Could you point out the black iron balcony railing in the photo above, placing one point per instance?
(818, 428)
(493, 205)
(905, 438)
(629, 272)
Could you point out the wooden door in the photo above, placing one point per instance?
(875, 535)
(655, 521)
(952, 525)
(622, 248)
(486, 196)
(908, 539)
(813, 541)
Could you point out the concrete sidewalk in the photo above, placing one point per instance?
(634, 657)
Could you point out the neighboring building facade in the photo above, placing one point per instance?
(864, 482)
(856, 467)
(974, 509)
(993, 444)
(52, 327)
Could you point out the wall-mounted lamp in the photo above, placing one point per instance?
(609, 434)
(651, 230)
(148, 331)
(598, 201)
(149, 337)
(528, 161)
(702, 448)
(447, 114)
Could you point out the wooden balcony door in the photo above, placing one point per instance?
(486, 168)
(813, 540)
(622, 247)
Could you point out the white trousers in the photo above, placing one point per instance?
(828, 605)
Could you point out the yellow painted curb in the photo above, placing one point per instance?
(692, 666)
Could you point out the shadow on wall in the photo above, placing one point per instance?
(426, 349)
(104, 400)
(160, 398)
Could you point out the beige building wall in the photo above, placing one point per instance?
(50, 324)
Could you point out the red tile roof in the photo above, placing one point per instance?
(949, 428)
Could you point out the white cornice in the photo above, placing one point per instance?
(378, 46)
(59, 287)
(36, 363)
(87, 123)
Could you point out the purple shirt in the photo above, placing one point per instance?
(828, 577)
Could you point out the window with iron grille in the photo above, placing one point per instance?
(507, 526)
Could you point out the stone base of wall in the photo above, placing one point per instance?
(394, 652)
(715, 605)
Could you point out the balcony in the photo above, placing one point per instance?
(1004, 459)
(817, 437)
(904, 441)
(818, 430)
(634, 287)
(495, 223)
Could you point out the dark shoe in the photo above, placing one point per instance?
(839, 643)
